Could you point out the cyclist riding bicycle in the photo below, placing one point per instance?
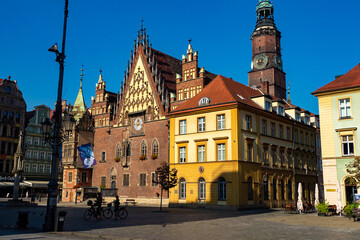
(98, 202)
(116, 204)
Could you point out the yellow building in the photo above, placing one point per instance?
(234, 147)
(339, 118)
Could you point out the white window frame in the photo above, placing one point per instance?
(41, 168)
(182, 188)
(182, 126)
(36, 141)
(248, 122)
(48, 168)
(42, 155)
(201, 153)
(202, 189)
(221, 122)
(349, 144)
(221, 151)
(36, 154)
(182, 154)
(201, 124)
(344, 108)
(26, 167)
(34, 168)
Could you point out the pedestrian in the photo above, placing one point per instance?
(7, 195)
(27, 194)
(33, 197)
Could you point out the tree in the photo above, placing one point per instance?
(353, 168)
(166, 178)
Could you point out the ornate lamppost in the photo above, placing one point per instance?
(55, 138)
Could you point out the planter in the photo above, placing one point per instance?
(154, 156)
(117, 159)
(322, 214)
(142, 157)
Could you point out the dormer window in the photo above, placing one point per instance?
(204, 101)
(297, 116)
(267, 106)
(8, 89)
(307, 120)
(281, 110)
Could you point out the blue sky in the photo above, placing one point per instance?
(319, 41)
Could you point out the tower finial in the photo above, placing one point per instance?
(81, 75)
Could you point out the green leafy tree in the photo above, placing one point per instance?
(353, 168)
(166, 178)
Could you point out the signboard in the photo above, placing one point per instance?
(357, 198)
(7, 178)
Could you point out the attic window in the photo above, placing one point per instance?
(204, 101)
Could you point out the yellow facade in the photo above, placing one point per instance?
(251, 156)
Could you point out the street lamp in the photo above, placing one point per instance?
(55, 139)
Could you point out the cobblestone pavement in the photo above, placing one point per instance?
(146, 223)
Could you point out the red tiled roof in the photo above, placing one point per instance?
(222, 90)
(349, 80)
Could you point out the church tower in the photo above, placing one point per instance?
(266, 66)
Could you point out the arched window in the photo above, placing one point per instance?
(143, 148)
(266, 189)
(113, 184)
(182, 189)
(202, 189)
(274, 189)
(118, 150)
(282, 189)
(155, 148)
(128, 150)
(103, 156)
(250, 189)
(290, 190)
(222, 189)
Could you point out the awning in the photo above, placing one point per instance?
(11, 184)
(38, 184)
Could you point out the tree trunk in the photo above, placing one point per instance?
(161, 199)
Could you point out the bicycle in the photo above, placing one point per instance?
(93, 212)
(121, 213)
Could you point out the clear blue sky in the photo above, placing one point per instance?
(319, 41)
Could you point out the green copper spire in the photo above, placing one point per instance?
(79, 107)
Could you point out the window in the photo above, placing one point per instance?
(34, 168)
(4, 131)
(7, 89)
(265, 155)
(301, 137)
(289, 190)
(48, 168)
(344, 108)
(28, 154)
(26, 167)
(142, 180)
(103, 156)
(182, 189)
(126, 178)
(274, 189)
(222, 189)
(201, 153)
(154, 179)
(42, 155)
(272, 125)
(28, 140)
(43, 142)
(17, 118)
(282, 189)
(307, 120)
(11, 115)
(282, 155)
(36, 154)
(266, 189)
(248, 123)
(296, 136)
(180, 94)
(250, 189)
(182, 154)
(84, 177)
(41, 168)
(70, 177)
(306, 138)
(186, 93)
(192, 92)
(297, 116)
(204, 101)
(347, 145)
(49, 156)
(249, 151)
(201, 124)
(264, 127)
(103, 181)
(280, 131)
(155, 148)
(220, 151)
(202, 189)
(113, 184)
(182, 126)
(288, 133)
(221, 122)
(5, 114)
(281, 110)
(267, 106)
(36, 141)
(118, 150)
(143, 148)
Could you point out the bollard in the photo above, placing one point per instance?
(23, 220)
(61, 220)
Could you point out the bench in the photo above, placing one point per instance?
(130, 201)
(356, 214)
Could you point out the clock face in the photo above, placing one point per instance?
(138, 123)
(278, 62)
(260, 61)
